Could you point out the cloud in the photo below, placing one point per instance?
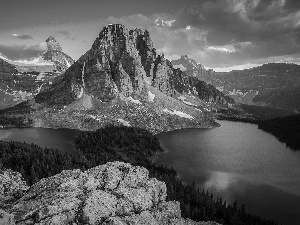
(65, 34)
(15, 52)
(256, 30)
(22, 36)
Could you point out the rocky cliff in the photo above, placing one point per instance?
(114, 193)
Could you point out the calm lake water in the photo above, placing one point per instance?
(234, 161)
(60, 138)
(238, 161)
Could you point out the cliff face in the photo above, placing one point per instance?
(114, 193)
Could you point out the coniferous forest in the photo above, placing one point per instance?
(285, 129)
(127, 144)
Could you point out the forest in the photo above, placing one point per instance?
(285, 129)
(128, 144)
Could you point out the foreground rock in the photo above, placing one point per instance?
(114, 193)
(12, 186)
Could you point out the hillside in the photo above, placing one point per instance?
(275, 85)
(285, 129)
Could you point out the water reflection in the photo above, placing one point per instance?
(219, 181)
(238, 161)
(60, 138)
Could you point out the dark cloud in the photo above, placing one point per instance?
(15, 52)
(256, 29)
(65, 34)
(22, 36)
(292, 5)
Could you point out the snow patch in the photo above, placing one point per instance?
(134, 100)
(40, 76)
(80, 93)
(151, 96)
(189, 103)
(237, 92)
(95, 117)
(124, 122)
(39, 88)
(182, 98)
(178, 113)
(220, 88)
(180, 66)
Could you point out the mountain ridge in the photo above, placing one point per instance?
(274, 85)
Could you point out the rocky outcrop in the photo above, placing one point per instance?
(12, 186)
(114, 193)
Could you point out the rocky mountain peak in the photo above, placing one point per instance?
(53, 45)
(56, 55)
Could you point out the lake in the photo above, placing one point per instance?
(55, 138)
(237, 161)
(234, 161)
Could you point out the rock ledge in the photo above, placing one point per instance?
(114, 193)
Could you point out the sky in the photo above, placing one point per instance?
(219, 34)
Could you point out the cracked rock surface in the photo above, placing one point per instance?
(113, 193)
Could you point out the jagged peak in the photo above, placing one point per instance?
(53, 45)
(51, 39)
(113, 30)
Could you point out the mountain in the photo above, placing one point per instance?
(54, 59)
(23, 79)
(193, 68)
(275, 85)
(122, 80)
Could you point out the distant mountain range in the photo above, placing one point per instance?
(122, 80)
(275, 85)
(54, 59)
(21, 80)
